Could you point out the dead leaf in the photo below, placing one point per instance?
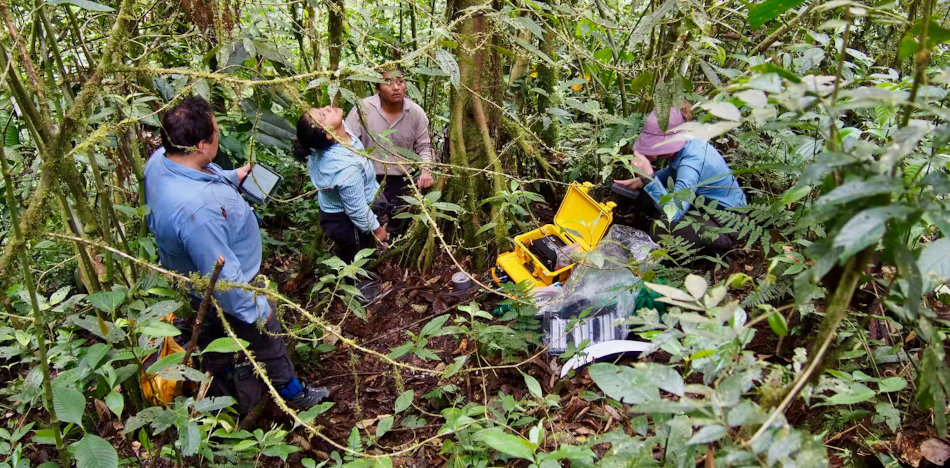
(582, 430)
(912, 455)
(332, 336)
(369, 422)
(101, 409)
(433, 280)
(461, 347)
(935, 450)
(419, 308)
(301, 442)
(612, 413)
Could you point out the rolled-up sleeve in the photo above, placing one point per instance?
(205, 240)
(353, 196)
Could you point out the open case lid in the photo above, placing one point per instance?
(582, 218)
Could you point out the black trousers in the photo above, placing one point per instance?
(395, 186)
(698, 228)
(348, 238)
(239, 380)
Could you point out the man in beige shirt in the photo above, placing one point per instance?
(390, 125)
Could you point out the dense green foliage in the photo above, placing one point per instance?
(822, 337)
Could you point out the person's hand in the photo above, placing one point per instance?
(243, 171)
(425, 179)
(642, 163)
(381, 235)
(635, 183)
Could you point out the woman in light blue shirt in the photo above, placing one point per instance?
(346, 180)
(694, 164)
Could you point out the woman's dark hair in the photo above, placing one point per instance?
(187, 124)
(310, 136)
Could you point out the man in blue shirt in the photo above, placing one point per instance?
(693, 164)
(197, 215)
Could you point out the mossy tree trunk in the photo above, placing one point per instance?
(474, 125)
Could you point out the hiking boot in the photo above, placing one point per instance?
(308, 397)
(370, 287)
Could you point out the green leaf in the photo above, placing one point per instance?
(723, 110)
(855, 393)
(384, 425)
(864, 229)
(208, 405)
(404, 400)
(434, 326)
(225, 345)
(696, 285)
(530, 25)
(857, 189)
(664, 377)
(888, 413)
(533, 386)
(69, 404)
(795, 194)
(623, 383)
(160, 329)
(642, 81)
(106, 301)
(934, 263)
(281, 451)
(448, 64)
(670, 292)
(12, 136)
(142, 418)
(534, 50)
(707, 434)
(766, 68)
(84, 4)
(777, 323)
(312, 413)
(190, 438)
(936, 34)
(163, 308)
(166, 361)
(508, 444)
(95, 452)
(770, 9)
(354, 442)
(116, 403)
(891, 384)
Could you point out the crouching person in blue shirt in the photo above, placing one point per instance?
(197, 215)
(694, 165)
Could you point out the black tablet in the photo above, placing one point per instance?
(260, 183)
(641, 199)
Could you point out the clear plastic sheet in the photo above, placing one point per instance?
(600, 293)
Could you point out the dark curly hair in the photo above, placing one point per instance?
(187, 124)
(310, 136)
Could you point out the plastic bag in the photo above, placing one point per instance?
(601, 292)
(159, 390)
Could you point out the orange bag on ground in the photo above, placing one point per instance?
(159, 390)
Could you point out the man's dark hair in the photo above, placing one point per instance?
(310, 136)
(187, 124)
(396, 68)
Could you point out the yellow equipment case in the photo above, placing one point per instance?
(579, 220)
